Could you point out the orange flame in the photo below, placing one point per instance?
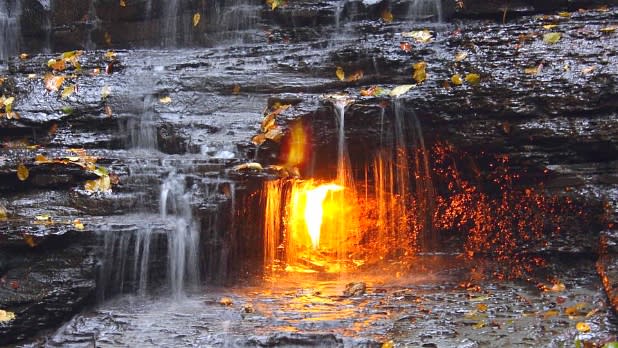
(295, 148)
(314, 210)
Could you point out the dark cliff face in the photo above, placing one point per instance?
(558, 120)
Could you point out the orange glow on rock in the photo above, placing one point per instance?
(295, 150)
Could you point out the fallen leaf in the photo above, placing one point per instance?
(373, 91)
(6, 316)
(165, 100)
(196, 19)
(551, 38)
(258, 139)
(236, 89)
(40, 159)
(473, 79)
(582, 327)
(400, 90)
(56, 65)
(8, 104)
(558, 287)
(460, 56)
(550, 26)
(108, 110)
(22, 172)
(3, 213)
(387, 16)
(481, 307)
(423, 36)
(67, 91)
(248, 166)
(609, 29)
(388, 344)
(275, 3)
(481, 324)
(420, 73)
(53, 83)
(533, 70)
(109, 55)
(405, 46)
(587, 70)
(340, 73)
(226, 301)
(106, 91)
(456, 79)
(550, 314)
(123, 3)
(274, 134)
(29, 240)
(23, 56)
(78, 224)
(102, 184)
(564, 14)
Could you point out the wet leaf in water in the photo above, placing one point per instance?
(29, 240)
(582, 327)
(3, 213)
(67, 92)
(420, 73)
(609, 29)
(550, 314)
(405, 46)
(400, 90)
(22, 172)
(6, 316)
(78, 224)
(456, 79)
(533, 70)
(423, 36)
(575, 310)
(103, 184)
(196, 19)
(340, 73)
(460, 56)
(473, 79)
(165, 100)
(387, 16)
(226, 301)
(388, 344)
(53, 83)
(551, 38)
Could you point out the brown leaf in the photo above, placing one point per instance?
(53, 83)
(196, 19)
(357, 75)
(340, 73)
(419, 72)
(387, 16)
(22, 172)
(405, 46)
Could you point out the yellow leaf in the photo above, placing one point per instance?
(473, 79)
(550, 313)
(400, 90)
(480, 324)
(67, 91)
(57, 65)
(481, 307)
(78, 224)
(70, 54)
(550, 26)
(275, 3)
(196, 19)
(564, 14)
(3, 213)
(558, 287)
(22, 172)
(8, 104)
(423, 36)
(456, 79)
(123, 3)
(226, 301)
(419, 72)
(582, 327)
(340, 73)
(110, 55)
(248, 166)
(53, 83)
(609, 29)
(165, 100)
(6, 316)
(23, 56)
(106, 91)
(102, 184)
(387, 16)
(460, 56)
(551, 38)
(388, 344)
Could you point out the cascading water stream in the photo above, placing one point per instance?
(425, 10)
(10, 11)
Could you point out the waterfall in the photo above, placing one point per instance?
(183, 240)
(142, 131)
(425, 10)
(10, 11)
(170, 23)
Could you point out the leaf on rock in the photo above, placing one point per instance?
(550, 26)
(550, 314)
(40, 159)
(582, 327)
(22, 172)
(67, 92)
(24, 56)
(6, 316)
(481, 307)
(226, 301)
(106, 91)
(388, 344)
(102, 184)
(57, 65)
(551, 38)
(373, 91)
(420, 73)
(558, 287)
(123, 3)
(400, 90)
(275, 134)
(405, 46)
(196, 19)
(53, 83)
(340, 73)
(357, 75)
(588, 70)
(609, 29)
(165, 100)
(248, 166)
(564, 14)
(3, 213)
(456, 79)
(473, 79)
(236, 89)
(8, 104)
(275, 3)
(387, 16)
(535, 70)
(423, 36)
(258, 139)
(78, 225)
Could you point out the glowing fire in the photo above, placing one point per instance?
(314, 210)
